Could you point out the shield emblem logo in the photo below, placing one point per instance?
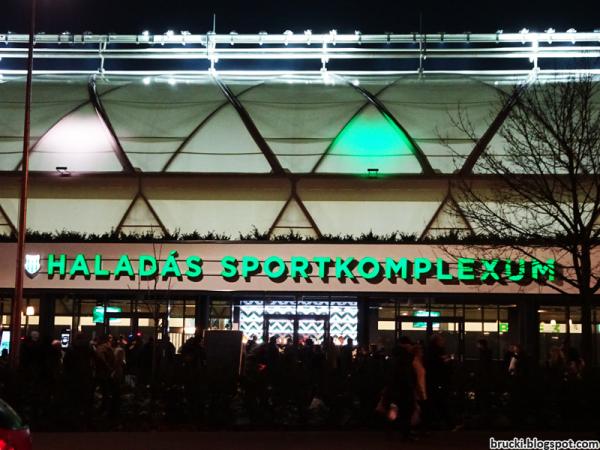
(32, 265)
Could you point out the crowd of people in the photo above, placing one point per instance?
(411, 388)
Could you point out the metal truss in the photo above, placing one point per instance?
(258, 138)
(140, 196)
(448, 199)
(276, 167)
(99, 108)
(5, 221)
(294, 197)
(200, 125)
(524, 45)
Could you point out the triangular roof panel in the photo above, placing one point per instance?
(223, 144)
(140, 219)
(80, 142)
(6, 225)
(299, 116)
(292, 219)
(447, 219)
(371, 140)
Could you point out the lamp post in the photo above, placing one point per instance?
(17, 301)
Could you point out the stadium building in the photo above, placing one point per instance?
(229, 149)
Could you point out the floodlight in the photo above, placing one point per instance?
(63, 172)
(373, 172)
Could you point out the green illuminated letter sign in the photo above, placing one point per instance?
(147, 266)
(80, 266)
(392, 267)
(229, 264)
(279, 264)
(489, 269)
(368, 274)
(421, 267)
(466, 271)
(54, 265)
(250, 266)
(341, 268)
(124, 267)
(545, 270)
(301, 268)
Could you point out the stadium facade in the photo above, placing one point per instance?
(245, 163)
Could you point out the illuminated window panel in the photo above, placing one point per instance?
(311, 329)
(313, 307)
(343, 319)
(559, 328)
(251, 318)
(283, 328)
(280, 307)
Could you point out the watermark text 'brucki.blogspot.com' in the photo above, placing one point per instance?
(533, 443)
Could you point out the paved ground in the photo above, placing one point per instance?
(351, 440)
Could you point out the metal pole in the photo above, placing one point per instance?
(17, 303)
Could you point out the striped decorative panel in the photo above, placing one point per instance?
(343, 318)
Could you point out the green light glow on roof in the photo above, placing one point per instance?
(373, 140)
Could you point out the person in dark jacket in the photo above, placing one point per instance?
(439, 375)
(399, 390)
(79, 366)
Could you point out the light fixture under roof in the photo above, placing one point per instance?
(63, 171)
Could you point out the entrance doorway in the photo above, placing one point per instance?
(420, 329)
(158, 324)
(298, 327)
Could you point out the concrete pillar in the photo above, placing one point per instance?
(529, 328)
(202, 312)
(47, 308)
(363, 321)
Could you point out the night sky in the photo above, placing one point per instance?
(368, 16)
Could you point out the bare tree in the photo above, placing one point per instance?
(542, 191)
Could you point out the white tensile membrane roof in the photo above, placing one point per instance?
(329, 124)
(204, 123)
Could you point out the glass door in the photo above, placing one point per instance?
(420, 329)
(296, 327)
